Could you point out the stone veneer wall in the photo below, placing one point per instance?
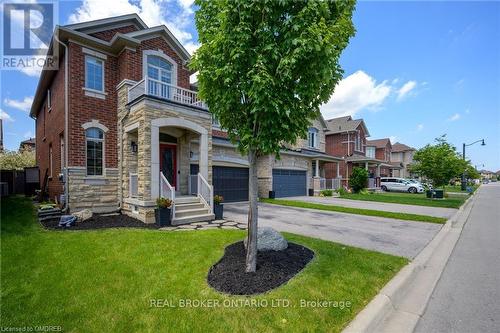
(96, 193)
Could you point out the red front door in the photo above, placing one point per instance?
(168, 162)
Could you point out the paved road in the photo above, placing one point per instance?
(389, 207)
(467, 296)
(403, 238)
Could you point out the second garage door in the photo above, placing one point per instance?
(231, 183)
(289, 183)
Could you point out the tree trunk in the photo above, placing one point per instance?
(251, 260)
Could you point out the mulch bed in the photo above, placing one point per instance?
(100, 222)
(274, 268)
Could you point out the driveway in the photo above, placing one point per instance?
(389, 207)
(397, 237)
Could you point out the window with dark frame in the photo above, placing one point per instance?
(94, 147)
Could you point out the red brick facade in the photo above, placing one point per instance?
(83, 108)
(49, 130)
(343, 145)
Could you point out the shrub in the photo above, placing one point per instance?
(163, 203)
(358, 179)
(327, 193)
(342, 191)
(218, 199)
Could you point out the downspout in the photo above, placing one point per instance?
(66, 123)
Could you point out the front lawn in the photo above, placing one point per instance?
(106, 281)
(408, 199)
(458, 188)
(358, 211)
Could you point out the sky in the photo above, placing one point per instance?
(414, 70)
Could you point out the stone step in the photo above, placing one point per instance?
(191, 212)
(194, 218)
(183, 207)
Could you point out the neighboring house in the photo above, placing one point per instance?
(28, 144)
(381, 149)
(486, 174)
(346, 139)
(134, 129)
(402, 156)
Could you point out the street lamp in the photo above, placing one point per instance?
(464, 183)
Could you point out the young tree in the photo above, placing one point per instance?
(264, 68)
(439, 162)
(13, 160)
(358, 179)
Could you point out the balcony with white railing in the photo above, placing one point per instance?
(165, 91)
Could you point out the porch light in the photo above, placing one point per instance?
(133, 146)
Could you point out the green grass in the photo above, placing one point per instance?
(408, 199)
(104, 280)
(358, 211)
(458, 188)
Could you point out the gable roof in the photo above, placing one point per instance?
(400, 147)
(80, 32)
(345, 124)
(94, 26)
(379, 143)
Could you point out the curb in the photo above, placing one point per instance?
(400, 303)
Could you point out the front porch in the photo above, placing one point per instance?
(323, 167)
(373, 166)
(159, 141)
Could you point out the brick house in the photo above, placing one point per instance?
(346, 138)
(381, 149)
(118, 125)
(401, 158)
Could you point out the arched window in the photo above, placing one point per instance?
(159, 69)
(95, 149)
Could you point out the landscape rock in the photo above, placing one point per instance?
(269, 239)
(83, 215)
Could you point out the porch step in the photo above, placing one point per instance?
(193, 218)
(191, 212)
(188, 206)
(186, 200)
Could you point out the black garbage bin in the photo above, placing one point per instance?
(311, 192)
(439, 194)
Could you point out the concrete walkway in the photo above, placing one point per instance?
(389, 207)
(397, 237)
(466, 298)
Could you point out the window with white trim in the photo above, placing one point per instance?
(94, 138)
(357, 142)
(94, 73)
(312, 138)
(370, 152)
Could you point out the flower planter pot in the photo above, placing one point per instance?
(218, 211)
(163, 217)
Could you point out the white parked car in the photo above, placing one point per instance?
(400, 185)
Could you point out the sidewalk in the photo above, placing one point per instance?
(467, 296)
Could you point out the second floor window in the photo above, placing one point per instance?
(94, 73)
(95, 149)
(313, 138)
(357, 142)
(370, 152)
